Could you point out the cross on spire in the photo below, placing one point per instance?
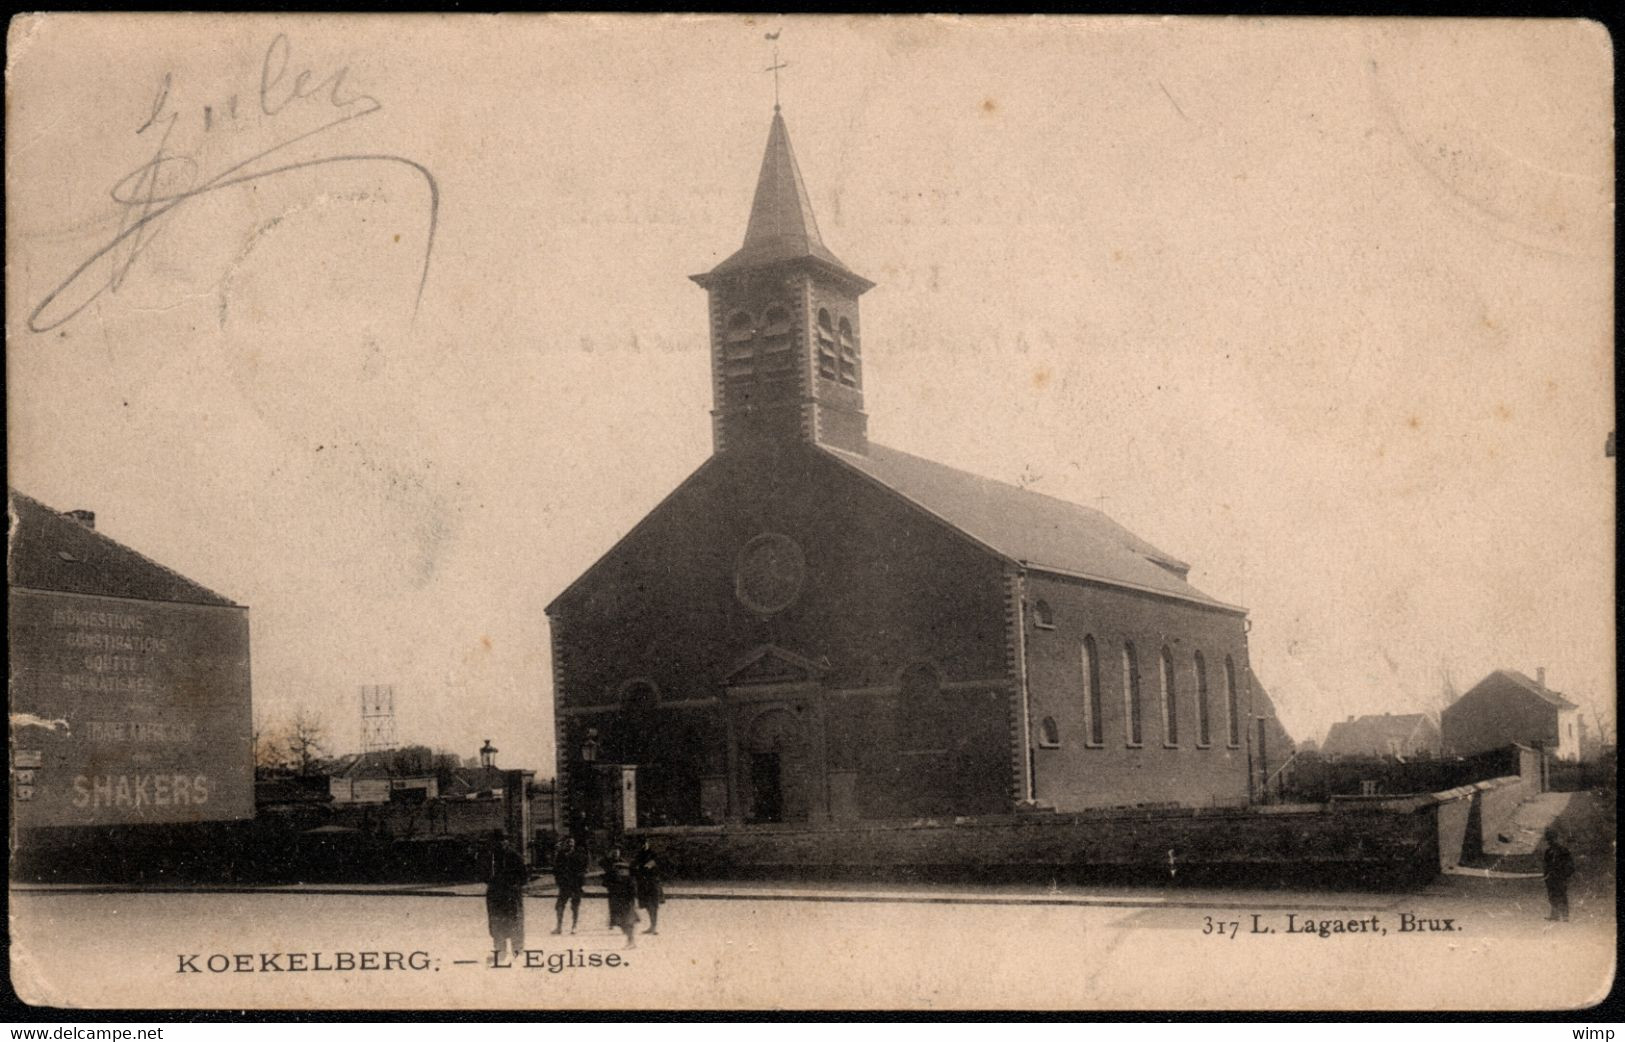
(774, 69)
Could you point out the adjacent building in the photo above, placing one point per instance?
(1507, 707)
(1273, 748)
(1401, 735)
(130, 696)
(815, 627)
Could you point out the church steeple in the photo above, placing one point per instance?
(784, 322)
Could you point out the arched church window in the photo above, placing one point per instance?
(826, 345)
(738, 351)
(1094, 726)
(1170, 700)
(1049, 734)
(1132, 721)
(849, 355)
(1232, 701)
(1204, 725)
(776, 322)
(1043, 615)
(775, 341)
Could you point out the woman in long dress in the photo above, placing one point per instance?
(623, 895)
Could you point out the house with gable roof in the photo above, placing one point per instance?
(1400, 735)
(130, 685)
(1508, 707)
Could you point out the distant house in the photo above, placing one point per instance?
(1403, 735)
(472, 783)
(1507, 707)
(371, 778)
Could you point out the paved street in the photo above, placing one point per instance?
(743, 945)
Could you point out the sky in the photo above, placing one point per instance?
(1321, 306)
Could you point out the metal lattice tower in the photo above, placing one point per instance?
(377, 718)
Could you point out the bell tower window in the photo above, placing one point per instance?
(738, 352)
(784, 324)
(849, 355)
(774, 339)
(826, 345)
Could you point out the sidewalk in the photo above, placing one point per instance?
(1529, 823)
(1512, 852)
(721, 890)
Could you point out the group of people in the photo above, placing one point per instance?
(631, 883)
(636, 882)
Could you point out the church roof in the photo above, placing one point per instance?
(52, 551)
(1035, 530)
(782, 226)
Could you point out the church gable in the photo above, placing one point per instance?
(774, 569)
(687, 489)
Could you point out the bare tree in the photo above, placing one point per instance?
(1448, 692)
(1597, 720)
(306, 741)
(411, 759)
(446, 766)
(270, 745)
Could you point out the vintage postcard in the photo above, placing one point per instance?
(730, 513)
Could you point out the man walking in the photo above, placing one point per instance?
(646, 873)
(570, 873)
(1558, 866)
(505, 878)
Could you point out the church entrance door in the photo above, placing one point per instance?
(778, 766)
(767, 788)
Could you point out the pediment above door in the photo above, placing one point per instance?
(770, 664)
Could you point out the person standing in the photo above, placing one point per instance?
(646, 874)
(623, 892)
(505, 878)
(1557, 866)
(570, 873)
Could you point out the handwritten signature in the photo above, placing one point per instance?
(163, 184)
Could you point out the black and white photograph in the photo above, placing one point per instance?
(722, 513)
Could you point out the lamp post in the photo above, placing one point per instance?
(588, 781)
(488, 755)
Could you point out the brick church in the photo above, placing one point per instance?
(816, 628)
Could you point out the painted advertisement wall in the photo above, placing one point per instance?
(128, 712)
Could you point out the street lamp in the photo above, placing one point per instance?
(488, 755)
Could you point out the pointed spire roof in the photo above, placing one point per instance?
(782, 225)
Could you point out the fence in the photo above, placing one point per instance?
(1316, 780)
(1580, 777)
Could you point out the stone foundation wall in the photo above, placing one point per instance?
(1374, 844)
